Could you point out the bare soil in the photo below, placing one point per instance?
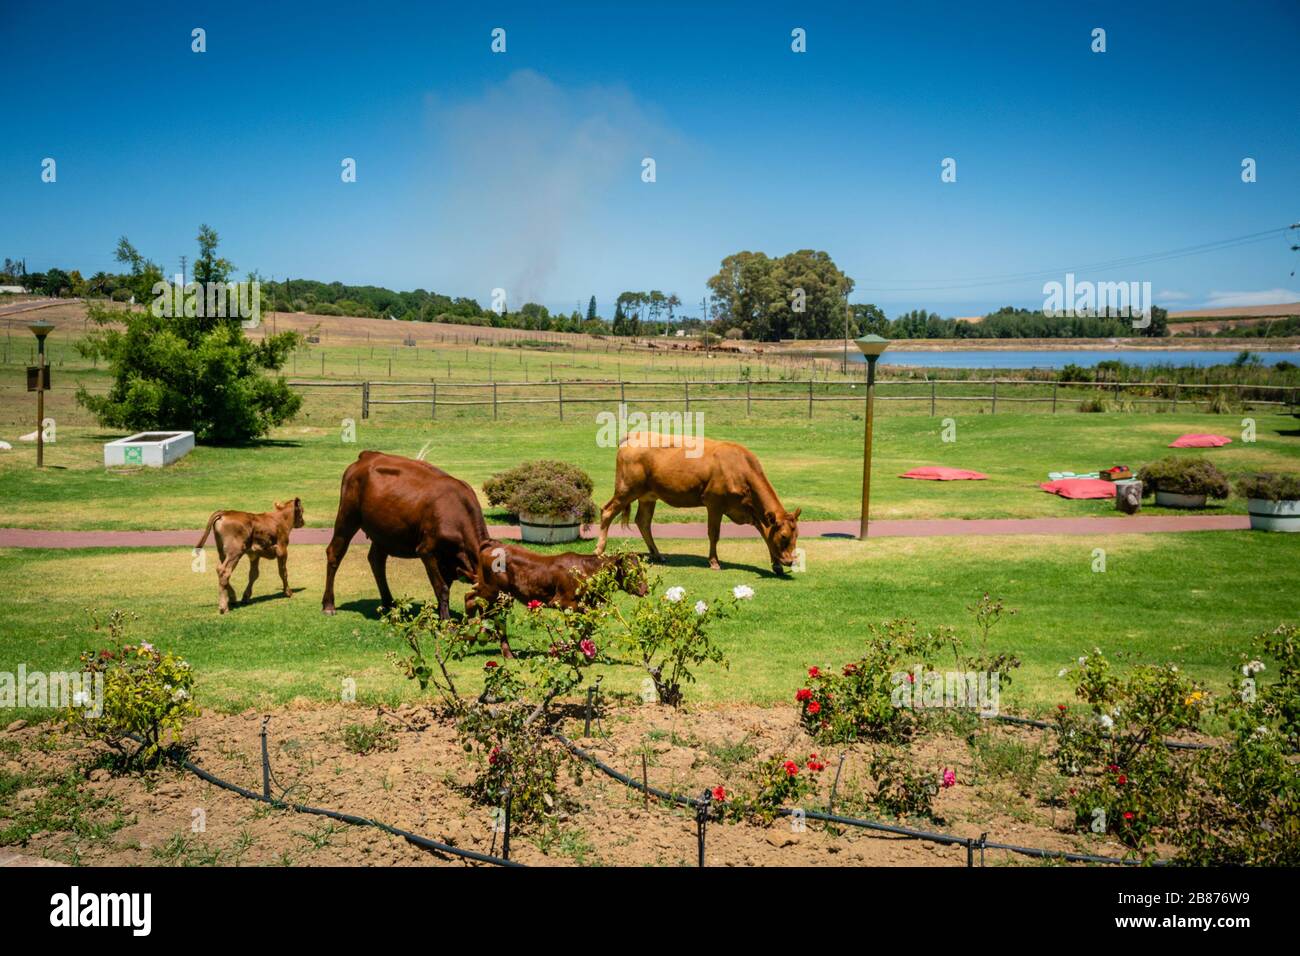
(415, 781)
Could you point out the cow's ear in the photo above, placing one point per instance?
(771, 517)
(797, 513)
(279, 505)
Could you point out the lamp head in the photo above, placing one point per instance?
(871, 345)
(41, 328)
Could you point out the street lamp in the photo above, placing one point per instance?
(40, 329)
(871, 347)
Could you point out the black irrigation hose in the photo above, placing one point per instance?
(1044, 725)
(423, 842)
(946, 839)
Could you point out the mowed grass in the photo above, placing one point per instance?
(1194, 598)
(814, 464)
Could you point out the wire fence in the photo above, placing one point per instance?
(921, 396)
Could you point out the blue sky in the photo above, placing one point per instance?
(522, 170)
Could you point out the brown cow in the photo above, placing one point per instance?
(265, 535)
(408, 509)
(553, 579)
(724, 477)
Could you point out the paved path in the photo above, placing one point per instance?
(924, 528)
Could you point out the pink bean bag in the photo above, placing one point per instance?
(1193, 440)
(1080, 488)
(944, 474)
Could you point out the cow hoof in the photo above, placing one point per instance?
(288, 593)
(715, 566)
(222, 610)
(328, 610)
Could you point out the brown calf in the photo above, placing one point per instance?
(265, 535)
(553, 579)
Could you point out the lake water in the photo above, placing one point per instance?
(1059, 358)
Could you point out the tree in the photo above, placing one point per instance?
(209, 267)
(800, 295)
(198, 372)
(144, 274)
(1159, 325)
(591, 309)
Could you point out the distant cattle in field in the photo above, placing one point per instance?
(723, 477)
(408, 509)
(554, 580)
(264, 535)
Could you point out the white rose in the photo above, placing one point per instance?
(742, 592)
(675, 594)
(701, 607)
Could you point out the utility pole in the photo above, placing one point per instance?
(184, 260)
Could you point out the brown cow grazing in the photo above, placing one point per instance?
(265, 535)
(722, 476)
(553, 579)
(408, 509)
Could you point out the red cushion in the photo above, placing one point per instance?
(1193, 440)
(1080, 488)
(944, 474)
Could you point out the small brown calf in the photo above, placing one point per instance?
(555, 580)
(265, 535)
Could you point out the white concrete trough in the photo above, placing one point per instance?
(151, 449)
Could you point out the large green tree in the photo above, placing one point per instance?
(198, 373)
(799, 295)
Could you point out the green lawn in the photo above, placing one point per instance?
(814, 464)
(1194, 598)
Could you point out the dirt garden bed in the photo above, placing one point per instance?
(58, 801)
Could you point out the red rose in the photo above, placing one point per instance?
(1128, 815)
(588, 648)
(719, 794)
(791, 767)
(534, 605)
(489, 665)
(814, 672)
(850, 669)
(814, 708)
(1061, 708)
(1113, 768)
(803, 694)
(1121, 780)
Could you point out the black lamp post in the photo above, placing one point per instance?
(40, 329)
(871, 347)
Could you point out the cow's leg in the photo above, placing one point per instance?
(253, 560)
(225, 591)
(715, 529)
(282, 559)
(338, 547)
(379, 568)
(645, 513)
(440, 586)
(613, 508)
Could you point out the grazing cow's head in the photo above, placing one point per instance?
(782, 536)
(630, 574)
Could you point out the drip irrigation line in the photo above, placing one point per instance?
(947, 839)
(1044, 725)
(414, 838)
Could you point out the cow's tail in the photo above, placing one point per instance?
(625, 516)
(216, 516)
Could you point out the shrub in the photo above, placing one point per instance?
(771, 785)
(552, 498)
(900, 790)
(368, 738)
(1184, 476)
(502, 486)
(1093, 405)
(147, 695)
(670, 636)
(1270, 487)
(858, 703)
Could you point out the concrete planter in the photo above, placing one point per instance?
(1168, 499)
(543, 529)
(149, 449)
(1268, 515)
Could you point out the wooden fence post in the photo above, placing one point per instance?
(494, 401)
(1054, 384)
(686, 384)
(560, 386)
(932, 396)
(365, 400)
(433, 405)
(810, 394)
(995, 396)
(748, 396)
(1175, 396)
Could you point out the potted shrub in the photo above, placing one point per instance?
(1183, 482)
(552, 499)
(1272, 500)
